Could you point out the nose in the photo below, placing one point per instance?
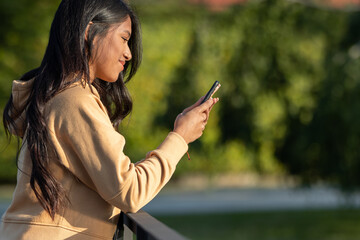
(127, 54)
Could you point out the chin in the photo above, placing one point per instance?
(110, 80)
(113, 80)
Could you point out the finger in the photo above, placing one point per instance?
(211, 108)
(198, 102)
(206, 105)
(207, 114)
(215, 101)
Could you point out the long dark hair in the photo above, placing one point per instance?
(66, 61)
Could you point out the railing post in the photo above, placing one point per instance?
(122, 231)
(145, 227)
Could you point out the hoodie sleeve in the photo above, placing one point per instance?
(88, 145)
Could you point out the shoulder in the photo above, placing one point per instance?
(76, 97)
(75, 94)
(74, 102)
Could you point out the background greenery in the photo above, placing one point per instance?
(289, 73)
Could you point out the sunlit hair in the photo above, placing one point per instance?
(66, 61)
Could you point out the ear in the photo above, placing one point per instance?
(87, 30)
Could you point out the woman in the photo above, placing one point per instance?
(74, 178)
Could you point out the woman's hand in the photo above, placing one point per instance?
(191, 123)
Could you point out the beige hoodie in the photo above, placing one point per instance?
(99, 179)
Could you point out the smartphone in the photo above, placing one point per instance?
(212, 90)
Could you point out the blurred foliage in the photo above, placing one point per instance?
(311, 224)
(289, 74)
(24, 31)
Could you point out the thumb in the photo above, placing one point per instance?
(198, 103)
(206, 105)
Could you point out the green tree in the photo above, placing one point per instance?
(329, 142)
(24, 31)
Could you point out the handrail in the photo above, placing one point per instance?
(144, 226)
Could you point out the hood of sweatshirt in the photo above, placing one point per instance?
(20, 92)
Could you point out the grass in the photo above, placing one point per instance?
(339, 224)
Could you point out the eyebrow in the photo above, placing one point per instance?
(126, 31)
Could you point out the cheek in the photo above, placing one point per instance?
(108, 73)
(108, 66)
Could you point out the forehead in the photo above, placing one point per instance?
(124, 26)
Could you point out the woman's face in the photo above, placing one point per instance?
(112, 53)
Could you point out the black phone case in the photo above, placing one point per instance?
(210, 92)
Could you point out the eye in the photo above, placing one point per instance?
(125, 39)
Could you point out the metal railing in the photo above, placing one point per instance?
(143, 226)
